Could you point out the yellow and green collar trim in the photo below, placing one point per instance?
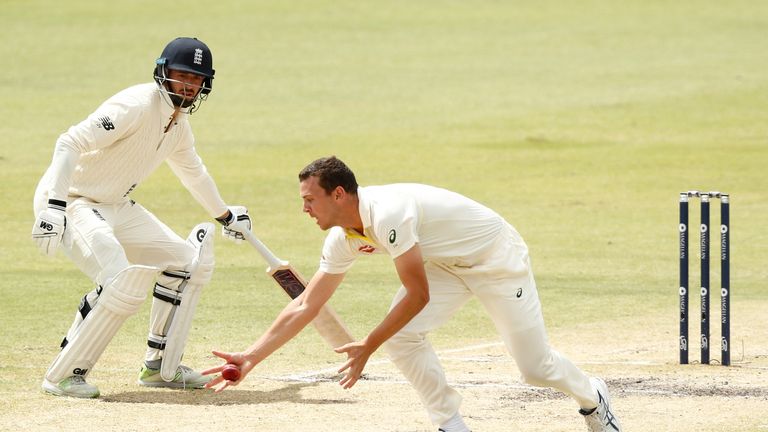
(354, 234)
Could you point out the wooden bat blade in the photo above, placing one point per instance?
(327, 322)
(331, 328)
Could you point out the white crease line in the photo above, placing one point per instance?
(301, 376)
(306, 376)
(380, 379)
(625, 363)
(471, 347)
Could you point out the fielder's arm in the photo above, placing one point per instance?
(410, 269)
(291, 320)
(327, 322)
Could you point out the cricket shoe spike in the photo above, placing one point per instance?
(601, 419)
(185, 378)
(73, 386)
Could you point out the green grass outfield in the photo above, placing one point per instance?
(578, 121)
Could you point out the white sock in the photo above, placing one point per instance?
(455, 424)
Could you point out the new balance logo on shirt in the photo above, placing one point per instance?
(106, 123)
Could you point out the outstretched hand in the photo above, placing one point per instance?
(357, 356)
(218, 383)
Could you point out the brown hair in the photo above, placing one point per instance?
(330, 172)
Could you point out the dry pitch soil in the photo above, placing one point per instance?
(651, 392)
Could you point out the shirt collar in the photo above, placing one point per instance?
(364, 207)
(365, 216)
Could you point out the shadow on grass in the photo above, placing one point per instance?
(289, 393)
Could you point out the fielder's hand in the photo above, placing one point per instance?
(358, 354)
(235, 222)
(218, 383)
(49, 227)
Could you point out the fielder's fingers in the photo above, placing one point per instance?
(221, 389)
(342, 349)
(346, 366)
(212, 370)
(221, 354)
(212, 383)
(348, 381)
(344, 380)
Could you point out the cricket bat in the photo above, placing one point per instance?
(327, 322)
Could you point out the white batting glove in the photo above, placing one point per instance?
(49, 227)
(235, 223)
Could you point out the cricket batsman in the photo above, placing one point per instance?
(82, 205)
(446, 249)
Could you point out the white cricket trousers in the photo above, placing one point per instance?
(504, 284)
(103, 239)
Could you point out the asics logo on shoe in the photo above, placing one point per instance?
(608, 418)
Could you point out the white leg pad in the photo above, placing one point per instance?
(119, 300)
(87, 303)
(168, 295)
(200, 271)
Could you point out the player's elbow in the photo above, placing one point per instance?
(308, 310)
(421, 298)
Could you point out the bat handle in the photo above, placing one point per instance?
(272, 261)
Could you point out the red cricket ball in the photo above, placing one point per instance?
(230, 372)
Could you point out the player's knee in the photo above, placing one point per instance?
(128, 290)
(402, 344)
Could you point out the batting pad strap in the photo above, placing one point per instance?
(176, 274)
(167, 295)
(85, 307)
(156, 341)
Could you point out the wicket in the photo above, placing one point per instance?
(725, 313)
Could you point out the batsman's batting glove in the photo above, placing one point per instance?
(235, 223)
(49, 227)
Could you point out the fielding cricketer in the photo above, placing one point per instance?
(82, 205)
(446, 248)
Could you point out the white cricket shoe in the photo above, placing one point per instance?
(185, 378)
(74, 386)
(601, 419)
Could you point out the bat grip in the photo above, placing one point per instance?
(272, 261)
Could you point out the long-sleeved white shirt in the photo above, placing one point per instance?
(107, 155)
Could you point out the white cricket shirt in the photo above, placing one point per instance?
(448, 227)
(107, 155)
